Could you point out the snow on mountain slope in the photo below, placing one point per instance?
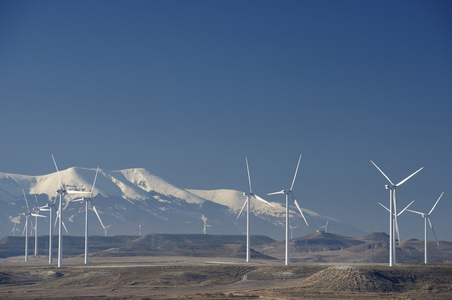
(235, 201)
(149, 182)
(132, 197)
(11, 185)
(276, 215)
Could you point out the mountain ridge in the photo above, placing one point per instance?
(132, 197)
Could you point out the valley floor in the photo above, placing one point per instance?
(217, 278)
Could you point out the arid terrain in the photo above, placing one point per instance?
(217, 278)
(324, 266)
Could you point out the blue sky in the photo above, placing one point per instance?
(187, 89)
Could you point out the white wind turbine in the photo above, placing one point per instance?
(15, 229)
(427, 217)
(291, 230)
(27, 214)
(37, 211)
(50, 207)
(287, 192)
(393, 211)
(87, 200)
(397, 223)
(247, 204)
(105, 228)
(325, 226)
(61, 192)
(100, 221)
(204, 230)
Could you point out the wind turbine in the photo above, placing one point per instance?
(325, 226)
(27, 214)
(204, 231)
(37, 211)
(87, 200)
(49, 207)
(100, 221)
(396, 223)
(61, 192)
(427, 217)
(247, 204)
(287, 192)
(13, 231)
(393, 211)
(291, 230)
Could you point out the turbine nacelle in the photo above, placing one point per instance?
(61, 191)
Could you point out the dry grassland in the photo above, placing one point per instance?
(218, 278)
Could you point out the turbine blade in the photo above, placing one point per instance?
(395, 218)
(299, 209)
(36, 199)
(416, 212)
(436, 203)
(405, 208)
(243, 207)
(56, 219)
(77, 192)
(382, 172)
(58, 172)
(295, 175)
(433, 230)
(64, 226)
(97, 214)
(26, 201)
(262, 200)
(276, 193)
(36, 215)
(403, 181)
(249, 177)
(384, 206)
(94, 183)
(397, 227)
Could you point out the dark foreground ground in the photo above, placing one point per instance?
(217, 278)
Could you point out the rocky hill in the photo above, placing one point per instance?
(316, 247)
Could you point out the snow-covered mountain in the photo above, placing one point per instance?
(129, 198)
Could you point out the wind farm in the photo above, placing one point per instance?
(216, 243)
(225, 150)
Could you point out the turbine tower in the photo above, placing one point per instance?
(427, 217)
(287, 192)
(87, 200)
(49, 207)
(37, 211)
(393, 211)
(247, 204)
(397, 223)
(27, 214)
(61, 192)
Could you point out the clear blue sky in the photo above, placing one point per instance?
(187, 89)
